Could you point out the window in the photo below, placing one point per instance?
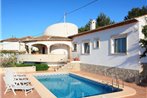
(86, 48)
(120, 45)
(96, 44)
(74, 47)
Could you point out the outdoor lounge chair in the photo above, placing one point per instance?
(16, 75)
(23, 78)
(12, 85)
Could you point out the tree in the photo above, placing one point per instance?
(85, 28)
(135, 12)
(144, 42)
(102, 20)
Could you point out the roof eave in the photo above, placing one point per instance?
(105, 27)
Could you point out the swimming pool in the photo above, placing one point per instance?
(73, 86)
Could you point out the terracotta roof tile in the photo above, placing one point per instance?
(25, 38)
(105, 27)
(48, 38)
(10, 40)
(16, 39)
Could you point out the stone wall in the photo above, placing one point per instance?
(143, 74)
(144, 69)
(124, 74)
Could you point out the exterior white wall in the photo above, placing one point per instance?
(142, 22)
(61, 29)
(60, 50)
(49, 43)
(102, 55)
(12, 46)
(1, 46)
(42, 58)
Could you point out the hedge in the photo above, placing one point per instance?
(39, 67)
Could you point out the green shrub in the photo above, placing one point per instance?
(23, 65)
(39, 67)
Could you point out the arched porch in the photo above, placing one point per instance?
(47, 52)
(39, 49)
(62, 49)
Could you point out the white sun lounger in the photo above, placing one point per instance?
(16, 75)
(14, 82)
(12, 85)
(23, 78)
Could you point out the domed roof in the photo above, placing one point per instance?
(61, 29)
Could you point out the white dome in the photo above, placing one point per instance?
(61, 29)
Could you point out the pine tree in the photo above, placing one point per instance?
(102, 20)
(135, 12)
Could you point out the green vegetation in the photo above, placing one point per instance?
(101, 20)
(85, 28)
(11, 52)
(135, 12)
(39, 67)
(144, 42)
(8, 58)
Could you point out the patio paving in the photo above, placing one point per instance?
(141, 92)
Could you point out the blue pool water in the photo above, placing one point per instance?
(73, 86)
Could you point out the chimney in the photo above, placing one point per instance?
(92, 24)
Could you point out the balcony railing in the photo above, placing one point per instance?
(42, 58)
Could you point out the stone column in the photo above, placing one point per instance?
(70, 54)
(48, 49)
(29, 49)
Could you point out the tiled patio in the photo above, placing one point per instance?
(141, 92)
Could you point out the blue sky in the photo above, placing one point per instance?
(21, 18)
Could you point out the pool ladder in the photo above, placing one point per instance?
(116, 83)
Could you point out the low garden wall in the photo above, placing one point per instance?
(19, 69)
(75, 65)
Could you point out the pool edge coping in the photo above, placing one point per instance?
(45, 93)
(127, 91)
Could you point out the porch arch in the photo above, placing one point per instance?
(60, 48)
(42, 48)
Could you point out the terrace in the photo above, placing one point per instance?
(141, 92)
(54, 54)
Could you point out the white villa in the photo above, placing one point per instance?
(114, 48)
(54, 47)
